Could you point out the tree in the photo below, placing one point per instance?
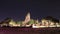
(51, 20)
(31, 21)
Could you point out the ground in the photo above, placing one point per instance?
(14, 30)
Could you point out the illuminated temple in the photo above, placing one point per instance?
(28, 22)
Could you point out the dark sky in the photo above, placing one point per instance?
(17, 9)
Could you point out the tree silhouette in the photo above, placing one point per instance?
(5, 21)
(51, 19)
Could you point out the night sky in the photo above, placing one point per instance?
(17, 9)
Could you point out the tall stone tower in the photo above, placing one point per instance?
(27, 18)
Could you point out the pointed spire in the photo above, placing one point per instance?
(27, 17)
